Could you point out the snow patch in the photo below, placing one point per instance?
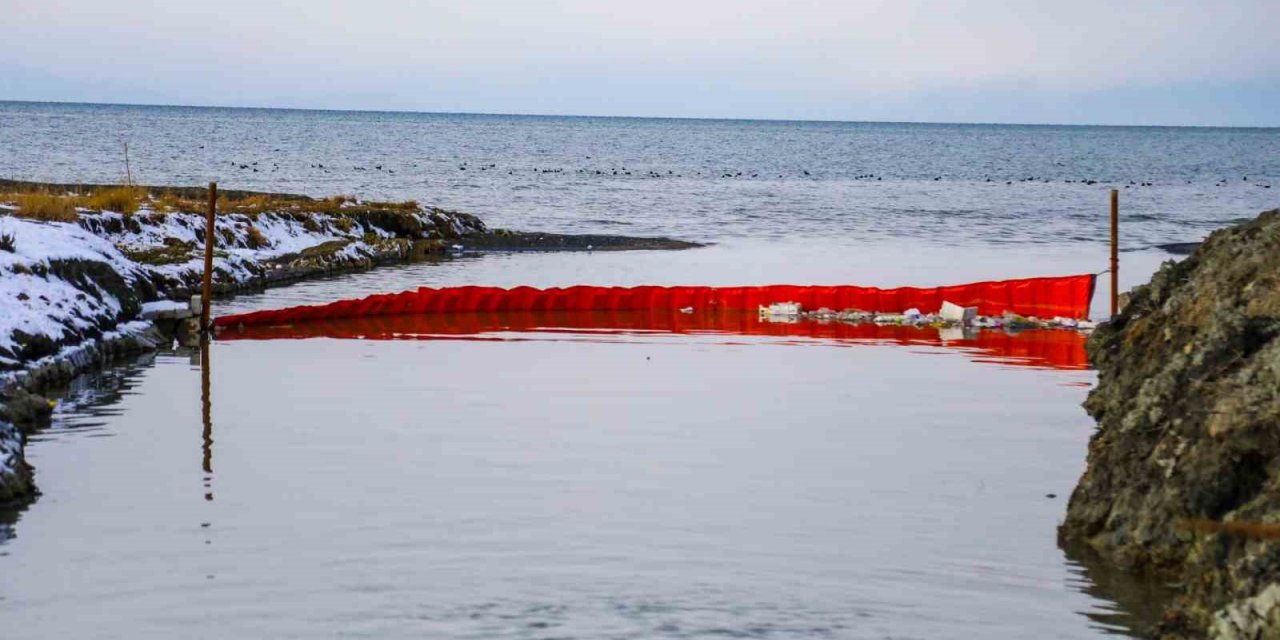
(161, 306)
(38, 303)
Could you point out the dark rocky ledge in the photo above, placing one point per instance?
(506, 240)
(1183, 476)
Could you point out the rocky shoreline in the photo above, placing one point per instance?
(1183, 476)
(74, 287)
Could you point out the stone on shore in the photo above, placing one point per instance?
(1188, 411)
(15, 474)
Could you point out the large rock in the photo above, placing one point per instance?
(15, 474)
(1188, 411)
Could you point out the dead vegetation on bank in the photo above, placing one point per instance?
(61, 203)
(63, 207)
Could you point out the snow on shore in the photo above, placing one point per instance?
(40, 304)
(66, 282)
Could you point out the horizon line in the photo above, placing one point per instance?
(627, 117)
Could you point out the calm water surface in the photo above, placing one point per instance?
(621, 486)
(660, 487)
(557, 486)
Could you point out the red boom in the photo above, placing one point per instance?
(1066, 296)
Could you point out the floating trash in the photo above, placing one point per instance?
(780, 312)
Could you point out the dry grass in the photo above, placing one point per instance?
(43, 206)
(254, 238)
(252, 206)
(258, 204)
(122, 199)
(168, 254)
(169, 202)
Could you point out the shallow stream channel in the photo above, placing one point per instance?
(575, 483)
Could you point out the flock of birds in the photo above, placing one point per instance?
(623, 172)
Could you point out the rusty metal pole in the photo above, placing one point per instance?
(206, 291)
(1115, 252)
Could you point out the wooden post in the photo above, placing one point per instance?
(206, 291)
(1115, 252)
(128, 173)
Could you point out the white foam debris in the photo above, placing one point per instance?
(780, 312)
(956, 313)
(913, 318)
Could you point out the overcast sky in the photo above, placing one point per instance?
(1066, 61)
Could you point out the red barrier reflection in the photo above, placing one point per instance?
(1066, 296)
(1044, 348)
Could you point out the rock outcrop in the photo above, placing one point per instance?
(20, 414)
(1183, 476)
(15, 474)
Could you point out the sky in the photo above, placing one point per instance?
(1140, 62)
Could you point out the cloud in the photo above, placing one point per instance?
(702, 57)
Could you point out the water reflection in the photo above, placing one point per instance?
(8, 518)
(1041, 348)
(206, 419)
(1136, 603)
(85, 406)
(1122, 606)
(92, 398)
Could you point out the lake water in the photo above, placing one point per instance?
(589, 484)
(711, 180)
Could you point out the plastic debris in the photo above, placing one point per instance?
(956, 313)
(1010, 322)
(687, 310)
(780, 312)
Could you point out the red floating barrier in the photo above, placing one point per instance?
(1041, 348)
(1065, 296)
